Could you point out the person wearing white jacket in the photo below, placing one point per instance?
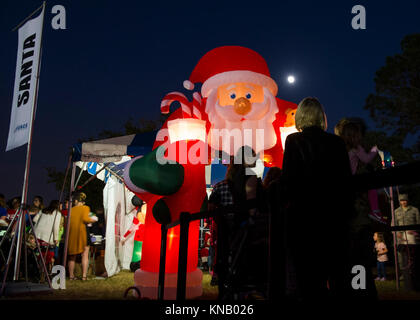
(47, 223)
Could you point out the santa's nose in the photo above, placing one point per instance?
(242, 106)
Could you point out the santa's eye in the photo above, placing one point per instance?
(248, 96)
(233, 96)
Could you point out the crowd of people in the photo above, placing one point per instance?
(46, 224)
(317, 227)
(304, 226)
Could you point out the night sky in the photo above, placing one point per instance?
(117, 59)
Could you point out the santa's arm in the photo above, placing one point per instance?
(147, 175)
(152, 174)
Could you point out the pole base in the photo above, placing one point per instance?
(147, 283)
(13, 289)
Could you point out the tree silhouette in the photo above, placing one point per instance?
(395, 107)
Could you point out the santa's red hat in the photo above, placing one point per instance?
(231, 64)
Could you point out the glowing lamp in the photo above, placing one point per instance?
(268, 159)
(284, 132)
(186, 129)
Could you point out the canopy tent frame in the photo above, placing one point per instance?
(104, 152)
(73, 187)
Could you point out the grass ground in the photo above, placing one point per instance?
(113, 288)
(387, 291)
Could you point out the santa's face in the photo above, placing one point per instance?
(241, 101)
(241, 114)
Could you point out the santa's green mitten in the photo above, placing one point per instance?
(147, 174)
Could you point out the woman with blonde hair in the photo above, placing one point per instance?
(78, 241)
(318, 199)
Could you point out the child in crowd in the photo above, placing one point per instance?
(382, 257)
(352, 133)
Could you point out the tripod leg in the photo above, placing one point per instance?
(46, 254)
(9, 228)
(40, 254)
(20, 238)
(26, 258)
(8, 264)
(2, 255)
(37, 264)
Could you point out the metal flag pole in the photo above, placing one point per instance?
(394, 236)
(28, 17)
(28, 160)
(388, 162)
(66, 241)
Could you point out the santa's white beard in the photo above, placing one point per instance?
(228, 133)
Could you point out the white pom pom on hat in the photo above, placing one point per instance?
(188, 85)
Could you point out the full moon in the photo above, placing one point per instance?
(291, 79)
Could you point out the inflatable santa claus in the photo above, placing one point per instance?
(237, 106)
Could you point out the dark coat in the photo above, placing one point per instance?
(317, 178)
(318, 200)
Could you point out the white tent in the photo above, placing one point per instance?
(106, 160)
(119, 213)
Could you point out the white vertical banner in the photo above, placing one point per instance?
(29, 46)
